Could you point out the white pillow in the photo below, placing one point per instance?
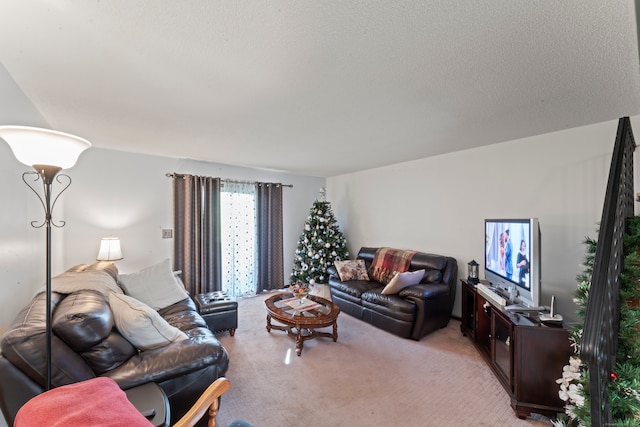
(402, 280)
(155, 286)
(141, 325)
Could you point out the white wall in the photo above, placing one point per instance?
(21, 246)
(114, 193)
(434, 204)
(439, 204)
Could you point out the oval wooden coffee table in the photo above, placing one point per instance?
(301, 318)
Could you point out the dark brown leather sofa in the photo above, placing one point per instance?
(412, 313)
(92, 346)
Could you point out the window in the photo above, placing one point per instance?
(238, 238)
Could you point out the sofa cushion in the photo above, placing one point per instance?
(432, 276)
(354, 288)
(402, 280)
(142, 325)
(110, 353)
(351, 270)
(428, 262)
(82, 319)
(184, 316)
(389, 305)
(157, 286)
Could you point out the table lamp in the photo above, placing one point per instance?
(109, 249)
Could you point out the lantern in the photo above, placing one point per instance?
(472, 266)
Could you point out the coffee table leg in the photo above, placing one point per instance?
(268, 323)
(335, 331)
(299, 341)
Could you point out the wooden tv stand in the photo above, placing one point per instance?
(526, 356)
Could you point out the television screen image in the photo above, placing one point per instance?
(508, 250)
(512, 256)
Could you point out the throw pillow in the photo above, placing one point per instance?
(402, 280)
(142, 325)
(155, 286)
(351, 270)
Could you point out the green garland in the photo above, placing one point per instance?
(624, 385)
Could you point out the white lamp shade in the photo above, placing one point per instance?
(37, 146)
(109, 249)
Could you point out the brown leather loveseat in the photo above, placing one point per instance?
(90, 339)
(415, 310)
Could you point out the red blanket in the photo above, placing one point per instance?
(387, 262)
(97, 402)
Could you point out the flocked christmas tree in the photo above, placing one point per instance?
(319, 246)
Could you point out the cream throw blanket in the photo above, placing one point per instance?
(86, 280)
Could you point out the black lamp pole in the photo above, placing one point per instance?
(47, 174)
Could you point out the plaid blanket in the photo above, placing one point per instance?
(387, 262)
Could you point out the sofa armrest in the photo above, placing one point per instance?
(433, 308)
(171, 361)
(183, 315)
(333, 272)
(24, 345)
(16, 388)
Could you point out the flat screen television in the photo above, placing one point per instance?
(512, 258)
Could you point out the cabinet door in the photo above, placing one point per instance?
(483, 325)
(502, 354)
(541, 352)
(468, 321)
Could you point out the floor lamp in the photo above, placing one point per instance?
(48, 152)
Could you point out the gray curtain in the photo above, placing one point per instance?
(196, 216)
(269, 229)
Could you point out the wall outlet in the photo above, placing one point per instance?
(167, 233)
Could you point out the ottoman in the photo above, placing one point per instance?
(219, 310)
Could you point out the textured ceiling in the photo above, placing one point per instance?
(319, 87)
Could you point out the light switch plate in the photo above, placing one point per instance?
(167, 233)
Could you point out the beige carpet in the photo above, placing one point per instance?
(367, 378)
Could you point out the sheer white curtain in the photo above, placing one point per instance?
(238, 238)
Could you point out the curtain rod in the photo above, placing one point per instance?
(171, 175)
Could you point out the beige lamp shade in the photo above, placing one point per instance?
(110, 249)
(37, 146)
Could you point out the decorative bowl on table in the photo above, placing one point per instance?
(300, 289)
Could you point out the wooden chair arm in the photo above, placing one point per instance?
(208, 401)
